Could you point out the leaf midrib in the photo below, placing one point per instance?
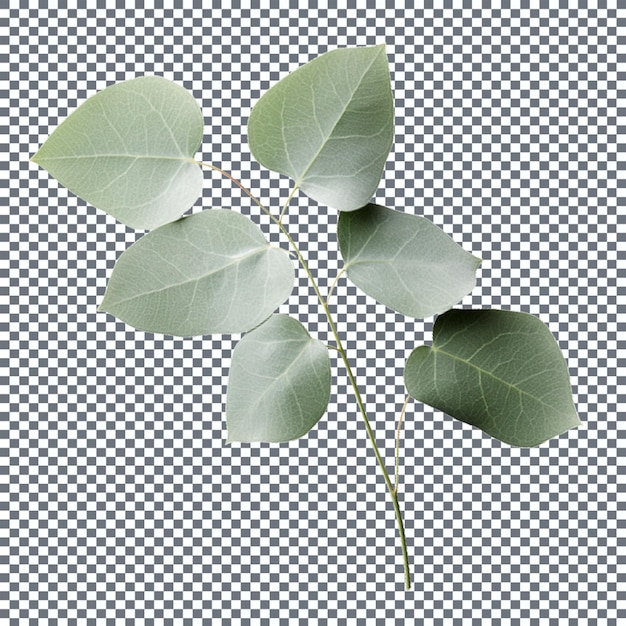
(192, 280)
(308, 342)
(115, 156)
(435, 349)
(302, 176)
(393, 262)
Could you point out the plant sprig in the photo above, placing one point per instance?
(129, 150)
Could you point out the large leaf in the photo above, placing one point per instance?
(279, 383)
(501, 371)
(210, 272)
(329, 126)
(404, 261)
(128, 151)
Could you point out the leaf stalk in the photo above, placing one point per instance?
(398, 431)
(334, 284)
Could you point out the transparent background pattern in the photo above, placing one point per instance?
(123, 505)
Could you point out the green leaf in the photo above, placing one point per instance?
(279, 383)
(404, 261)
(501, 371)
(329, 126)
(128, 151)
(210, 272)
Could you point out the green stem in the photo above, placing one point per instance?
(332, 287)
(392, 490)
(232, 179)
(398, 431)
(282, 213)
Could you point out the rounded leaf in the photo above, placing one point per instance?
(210, 272)
(329, 126)
(404, 261)
(501, 371)
(279, 383)
(128, 151)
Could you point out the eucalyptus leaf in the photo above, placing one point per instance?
(329, 126)
(501, 371)
(210, 272)
(279, 383)
(404, 261)
(128, 151)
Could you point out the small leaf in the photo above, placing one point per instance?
(128, 151)
(279, 383)
(329, 126)
(501, 371)
(210, 272)
(404, 261)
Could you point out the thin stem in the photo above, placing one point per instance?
(282, 213)
(339, 347)
(398, 430)
(357, 393)
(332, 287)
(242, 187)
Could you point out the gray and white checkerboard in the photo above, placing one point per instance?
(122, 503)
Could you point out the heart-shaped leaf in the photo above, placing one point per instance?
(501, 371)
(404, 261)
(210, 272)
(279, 383)
(128, 151)
(329, 126)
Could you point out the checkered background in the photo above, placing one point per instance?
(121, 502)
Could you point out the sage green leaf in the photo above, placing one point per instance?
(329, 126)
(279, 383)
(210, 272)
(128, 151)
(501, 371)
(404, 261)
